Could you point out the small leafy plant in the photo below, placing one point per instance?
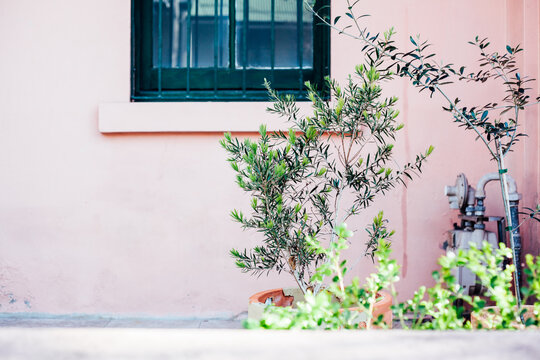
(443, 306)
(327, 167)
(338, 306)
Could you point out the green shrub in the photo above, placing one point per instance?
(444, 306)
(326, 168)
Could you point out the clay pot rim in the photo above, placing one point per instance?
(254, 299)
(384, 303)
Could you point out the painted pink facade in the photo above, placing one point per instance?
(108, 206)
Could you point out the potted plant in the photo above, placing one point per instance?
(328, 167)
(340, 305)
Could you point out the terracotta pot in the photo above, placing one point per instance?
(482, 318)
(289, 297)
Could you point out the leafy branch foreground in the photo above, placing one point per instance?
(496, 123)
(443, 306)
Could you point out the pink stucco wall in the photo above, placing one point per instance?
(137, 223)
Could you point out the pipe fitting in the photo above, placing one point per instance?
(513, 195)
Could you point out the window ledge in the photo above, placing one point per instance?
(149, 117)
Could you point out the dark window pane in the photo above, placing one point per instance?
(287, 36)
(206, 27)
(254, 28)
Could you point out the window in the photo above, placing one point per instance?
(224, 49)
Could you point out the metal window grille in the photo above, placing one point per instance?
(224, 49)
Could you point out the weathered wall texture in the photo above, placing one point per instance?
(138, 223)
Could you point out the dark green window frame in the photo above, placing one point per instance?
(232, 83)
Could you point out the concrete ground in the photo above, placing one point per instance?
(24, 320)
(42, 336)
(152, 344)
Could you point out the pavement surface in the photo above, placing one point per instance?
(29, 320)
(44, 336)
(149, 344)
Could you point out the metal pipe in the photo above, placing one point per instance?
(501, 234)
(481, 186)
(513, 197)
(511, 224)
(517, 240)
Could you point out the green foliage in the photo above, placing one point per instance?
(532, 275)
(495, 123)
(444, 306)
(338, 306)
(425, 72)
(297, 178)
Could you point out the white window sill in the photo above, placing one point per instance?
(188, 117)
